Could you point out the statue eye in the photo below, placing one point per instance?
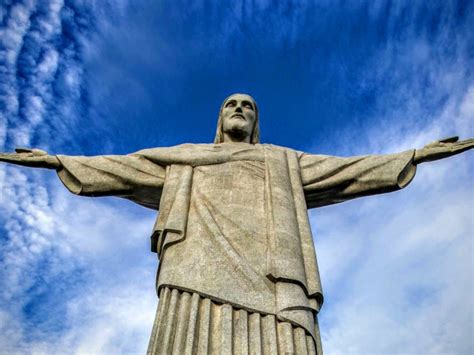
(230, 104)
(248, 105)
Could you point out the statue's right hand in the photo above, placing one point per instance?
(34, 158)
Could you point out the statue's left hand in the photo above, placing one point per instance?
(33, 158)
(442, 149)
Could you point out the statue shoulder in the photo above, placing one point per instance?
(174, 148)
(280, 148)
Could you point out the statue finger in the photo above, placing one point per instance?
(24, 159)
(23, 150)
(39, 152)
(11, 157)
(467, 141)
(449, 139)
(464, 145)
(461, 148)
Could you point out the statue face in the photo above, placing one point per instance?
(238, 118)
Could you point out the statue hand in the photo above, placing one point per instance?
(442, 149)
(34, 158)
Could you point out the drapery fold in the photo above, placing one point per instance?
(189, 324)
(162, 178)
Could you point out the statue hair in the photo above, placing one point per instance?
(255, 136)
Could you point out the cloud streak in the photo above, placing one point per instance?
(50, 296)
(397, 271)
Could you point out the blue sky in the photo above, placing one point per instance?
(331, 77)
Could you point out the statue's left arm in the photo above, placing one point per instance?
(328, 180)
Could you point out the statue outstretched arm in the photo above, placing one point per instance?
(328, 179)
(33, 158)
(441, 149)
(132, 176)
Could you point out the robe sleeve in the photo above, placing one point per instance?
(328, 180)
(133, 177)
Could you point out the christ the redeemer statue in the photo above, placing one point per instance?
(237, 271)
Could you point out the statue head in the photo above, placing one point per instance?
(238, 120)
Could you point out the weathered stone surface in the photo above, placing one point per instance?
(238, 270)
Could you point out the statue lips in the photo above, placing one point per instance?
(238, 115)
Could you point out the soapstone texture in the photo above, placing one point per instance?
(233, 224)
(237, 266)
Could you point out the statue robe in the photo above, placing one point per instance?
(233, 224)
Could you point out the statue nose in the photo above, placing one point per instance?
(238, 109)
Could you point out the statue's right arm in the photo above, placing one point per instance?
(132, 176)
(33, 158)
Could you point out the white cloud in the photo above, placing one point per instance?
(399, 266)
(50, 238)
(112, 309)
(397, 269)
(11, 39)
(47, 68)
(465, 121)
(17, 25)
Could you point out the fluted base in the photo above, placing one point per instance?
(187, 323)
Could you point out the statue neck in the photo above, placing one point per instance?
(235, 138)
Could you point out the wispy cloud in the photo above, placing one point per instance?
(96, 255)
(51, 298)
(398, 269)
(76, 273)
